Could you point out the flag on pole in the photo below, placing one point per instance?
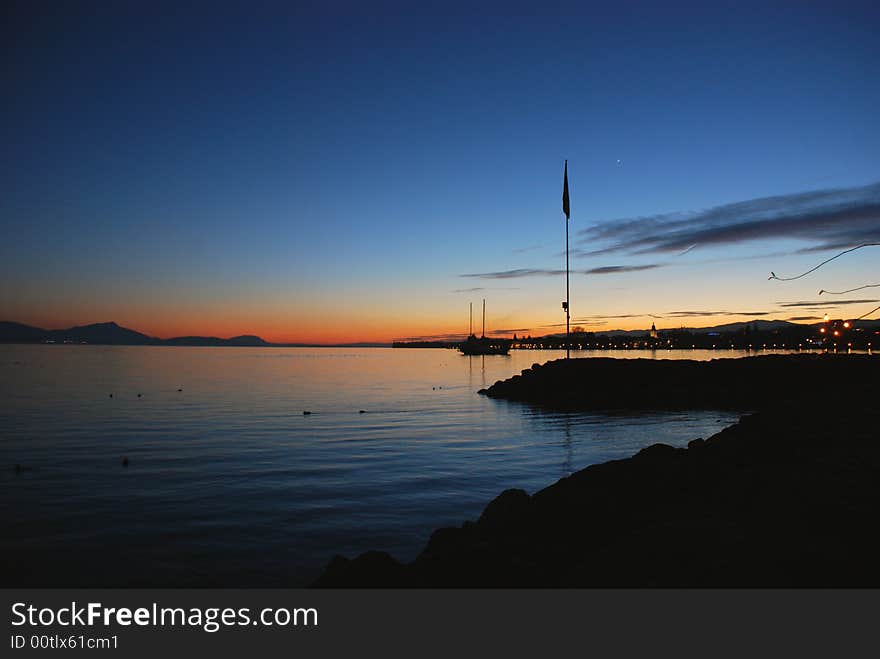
(565, 206)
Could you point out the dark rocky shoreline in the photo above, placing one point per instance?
(788, 497)
(745, 384)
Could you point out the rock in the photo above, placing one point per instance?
(752, 383)
(373, 569)
(655, 451)
(443, 539)
(505, 508)
(782, 499)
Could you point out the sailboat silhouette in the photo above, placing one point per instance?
(483, 345)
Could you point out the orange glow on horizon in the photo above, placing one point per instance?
(316, 330)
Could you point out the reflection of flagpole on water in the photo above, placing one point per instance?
(566, 444)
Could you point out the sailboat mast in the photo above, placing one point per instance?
(471, 326)
(484, 317)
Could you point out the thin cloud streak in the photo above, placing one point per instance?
(676, 314)
(583, 253)
(823, 303)
(545, 272)
(435, 337)
(530, 248)
(830, 219)
(476, 289)
(514, 274)
(578, 322)
(512, 330)
(614, 269)
(623, 316)
(602, 319)
(699, 314)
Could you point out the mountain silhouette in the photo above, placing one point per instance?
(112, 334)
(103, 333)
(18, 333)
(757, 325)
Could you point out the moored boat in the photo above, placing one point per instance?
(484, 345)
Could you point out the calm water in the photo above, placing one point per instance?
(229, 483)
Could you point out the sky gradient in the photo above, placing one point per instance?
(363, 171)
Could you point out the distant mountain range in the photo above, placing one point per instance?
(113, 334)
(759, 326)
(756, 325)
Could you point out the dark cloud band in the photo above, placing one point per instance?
(829, 219)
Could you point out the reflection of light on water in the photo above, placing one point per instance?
(591, 438)
(567, 462)
(219, 446)
(470, 359)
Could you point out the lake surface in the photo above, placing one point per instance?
(228, 483)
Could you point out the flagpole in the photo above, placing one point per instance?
(567, 306)
(567, 210)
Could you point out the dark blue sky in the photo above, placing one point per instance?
(292, 171)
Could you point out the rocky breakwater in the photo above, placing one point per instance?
(749, 383)
(787, 497)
